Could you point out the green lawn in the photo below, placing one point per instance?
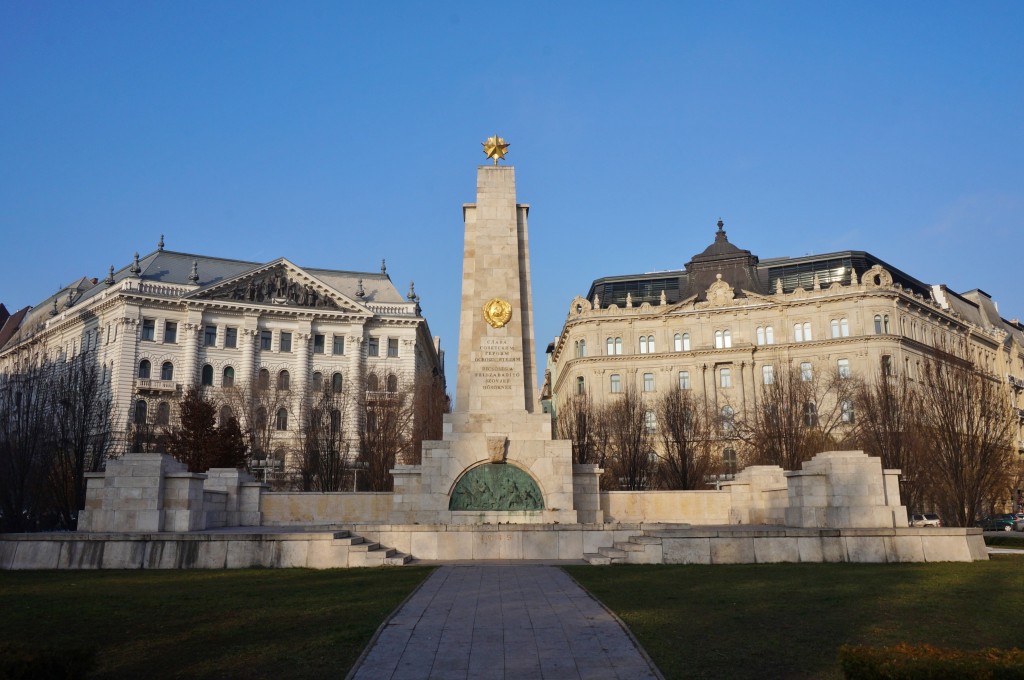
(284, 623)
(789, 620)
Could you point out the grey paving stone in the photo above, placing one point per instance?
(503, 622)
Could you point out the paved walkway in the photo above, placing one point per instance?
(505, 622)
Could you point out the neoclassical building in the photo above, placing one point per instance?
(170, 320)
(725, 324)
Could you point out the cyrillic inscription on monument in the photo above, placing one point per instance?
(497, 364)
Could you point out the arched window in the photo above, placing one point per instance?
(228, 377)
(207, 375)
(844, 327)
(282, 419)
(583, 348)
(846, 408)
(878, 324)
(760, 335)
(144, 368)
(140, 412)
(372, 382)
(835, 327)
(798, 332)
(335, 421)
(618, 345)
(318, 381)
(677, 342)
(727, 334)
(807, 331)
(261, 419)
(728, 420)
(643, 344)
(167, 371)
(283, 380)
(392, 383)
(336, 382)
(885, 323)
(263, 382)
(719, 340)
(769, 335)
(650, 344)
(581, 385)
(163, 413)
(686, 342)
(610, 350)
(225, 415)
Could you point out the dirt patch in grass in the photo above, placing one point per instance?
(788, 620)
(288, 623)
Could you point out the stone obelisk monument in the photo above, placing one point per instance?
(497, 461)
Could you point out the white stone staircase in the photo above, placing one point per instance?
(364, 554)
(642, 549)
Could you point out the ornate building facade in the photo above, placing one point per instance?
(170, 320)
(727, 323)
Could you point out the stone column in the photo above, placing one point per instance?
(188, 371)
(245, 371)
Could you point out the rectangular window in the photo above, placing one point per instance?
(844, 368)
(339, 344)
(886, 364)
(266, 337)
(148, 329)
(648, 382)
(684, 380)
(650, 422)
(170, 332)
(286, 342)
(231, 337)
(725, 377)
(318, 344)
(768, 374)
(616, 383)
(210, 336)
(392, 347)
(373, 347)
(806, 373)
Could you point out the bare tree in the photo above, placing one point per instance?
(799, 414)
(257, 405)
(25, 404)
(686, 433)
(968, 427)
(81, 432)
(582, 422)
(889, 426)
(386, 435)
(430, 403)
(324, 461)
(630, 462)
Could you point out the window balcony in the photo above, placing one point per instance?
(149, 385)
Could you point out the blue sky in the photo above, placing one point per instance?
(335, 134)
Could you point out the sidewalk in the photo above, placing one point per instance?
(481, 621)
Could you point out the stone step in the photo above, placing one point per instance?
(628, 546)
(646, 540)
(342, 534)
(397, 560)
(363, 546)
(613, 553)
(596, 559)
(348, 540)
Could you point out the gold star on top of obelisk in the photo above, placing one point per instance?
(495, 147)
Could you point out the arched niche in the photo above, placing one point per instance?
(496, 487)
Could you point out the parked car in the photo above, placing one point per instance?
(926, 519)
(1005, 522)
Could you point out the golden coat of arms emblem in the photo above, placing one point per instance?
(497, 312)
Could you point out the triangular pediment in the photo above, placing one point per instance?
(280, 284)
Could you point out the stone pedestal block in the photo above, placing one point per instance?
(844, 489)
